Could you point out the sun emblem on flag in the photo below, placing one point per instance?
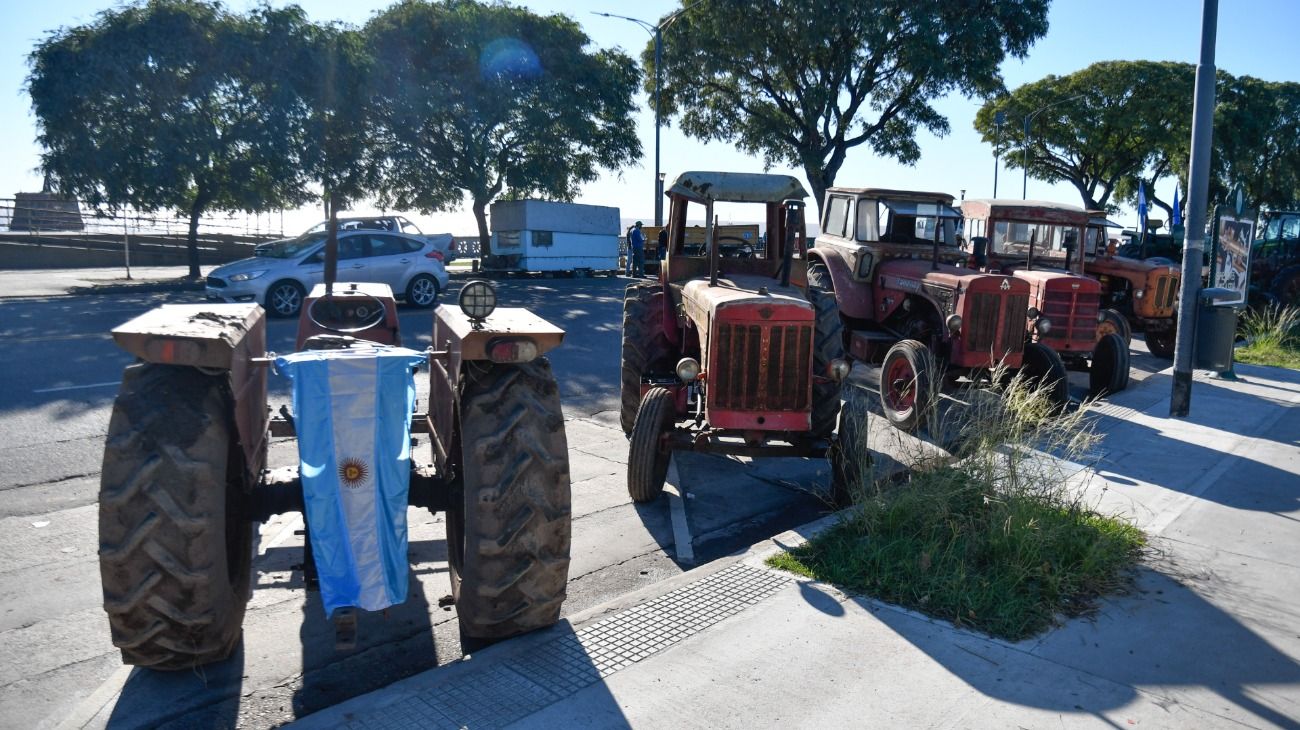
(353, 472)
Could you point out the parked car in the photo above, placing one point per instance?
(282, 274)
(390, 223)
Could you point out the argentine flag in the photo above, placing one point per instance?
(352, 410)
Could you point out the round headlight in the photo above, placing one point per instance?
(1043, 325)
(1140, 293)
(954, 323)
(1032, 313)
(478, 299)
(688, 369)
(839, 369)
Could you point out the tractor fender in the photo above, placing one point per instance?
(852, 296)
(454, 331)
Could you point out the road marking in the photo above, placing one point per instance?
(677, 509)
(76, 387)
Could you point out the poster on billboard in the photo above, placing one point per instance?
(1232, 255)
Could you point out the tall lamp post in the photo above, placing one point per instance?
(1024, 157)
(656, 31)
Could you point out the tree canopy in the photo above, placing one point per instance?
(802, 82)
(1114, 125)
(493, 100)
(168, 104)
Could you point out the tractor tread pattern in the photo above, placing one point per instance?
(514, 572)
(167, 582)
(645, 345)
(827, 346)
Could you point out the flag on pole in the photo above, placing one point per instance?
(1142, 206)
(1178, 215)
(352, 411)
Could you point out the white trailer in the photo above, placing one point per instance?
(543, 235)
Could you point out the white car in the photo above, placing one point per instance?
(282, 273)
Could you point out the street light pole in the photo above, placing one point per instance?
(656, 30)
(1024, 158)
(998, 119)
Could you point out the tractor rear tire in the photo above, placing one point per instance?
(906, 377)
(1108, 373)
(175, 543)
(1042, 366)
(646, 348)
(1117, 323)
(819, 277)
(508, 529)
(828, 345)
(1162, 344)
(647, 460)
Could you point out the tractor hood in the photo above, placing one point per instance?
(762, 294)
(908, 275)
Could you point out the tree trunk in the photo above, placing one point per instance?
(484, 238)
(192, 242)
(818, 185)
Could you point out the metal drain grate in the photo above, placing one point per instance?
(509, 691)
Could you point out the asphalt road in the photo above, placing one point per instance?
(57, 663)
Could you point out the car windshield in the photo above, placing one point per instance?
(290, 247)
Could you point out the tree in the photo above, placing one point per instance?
(802, 82)
(1098, 129)
(491, 100)
(1257, 142)
(169, 104)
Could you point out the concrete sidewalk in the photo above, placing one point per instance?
(1208, 638)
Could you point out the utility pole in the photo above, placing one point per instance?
(1198, 191)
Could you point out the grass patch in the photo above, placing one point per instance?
(991, 538)
(1274, 335)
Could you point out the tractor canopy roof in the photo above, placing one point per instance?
(737, 187)
(887, 194)
(1099, 219)
(1025, 210)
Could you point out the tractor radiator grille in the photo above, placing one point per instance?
(982, 331)
(762, 367)
(1073, 316)
(1166, 292)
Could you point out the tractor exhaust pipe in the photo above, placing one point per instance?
(1029, 262)
(938, 224)
(793, 219)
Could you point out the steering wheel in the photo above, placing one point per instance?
(744, 251)
(346, 315)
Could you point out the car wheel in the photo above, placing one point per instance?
(422, 291)
(284, 298)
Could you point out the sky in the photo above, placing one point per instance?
(1255, 37)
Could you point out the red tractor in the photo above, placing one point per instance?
(891, 261)
(1041, 243)
(729, 354)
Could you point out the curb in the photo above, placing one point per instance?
(144, 287)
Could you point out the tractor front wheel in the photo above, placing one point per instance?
(508, 529)
(647, 459)
(1162, 344)
(1044, 368)
(175, 543)
(1108, 373)
(906, 377)
(1115, 323)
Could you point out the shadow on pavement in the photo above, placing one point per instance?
(1164, 640)
(206, 697)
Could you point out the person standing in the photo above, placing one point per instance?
(636, 247)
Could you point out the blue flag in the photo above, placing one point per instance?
(1142, 206)
(352, 411)
(1178, 215)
